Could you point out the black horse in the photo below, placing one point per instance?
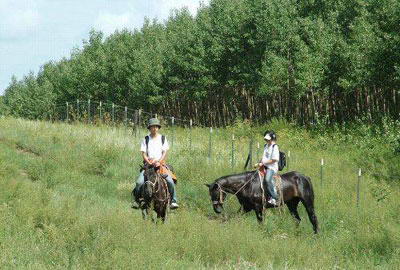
(246, 186)
(154, 191)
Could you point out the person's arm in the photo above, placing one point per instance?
(266, 161)
(164, 156)
(146, 158)
(165, 148)
(143, 149)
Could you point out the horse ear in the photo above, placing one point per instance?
(208, 185)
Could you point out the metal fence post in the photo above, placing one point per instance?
(89, 121)
(233, 151)
(139, 120)
(173, 131)
(209, 144)
(67, 111)
(100, 112)
(358, 186)
(322, 165)
(113, 115)
(190, 134)
(251, 152)
(126, 116)
(77, 109)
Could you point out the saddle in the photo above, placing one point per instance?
(262, 171)
(165, 170)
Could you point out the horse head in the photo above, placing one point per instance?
(218, 196)
(150, 180)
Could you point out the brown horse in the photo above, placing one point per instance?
(246, 186)
(154, 191)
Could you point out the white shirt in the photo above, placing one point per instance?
(155, 148)
(271, 152)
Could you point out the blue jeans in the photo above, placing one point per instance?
(270, 183)
(170, 183)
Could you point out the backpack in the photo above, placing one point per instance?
(147, 139)
(282, 159)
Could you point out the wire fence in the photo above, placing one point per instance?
(93, 112)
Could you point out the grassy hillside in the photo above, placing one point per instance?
(65, 203)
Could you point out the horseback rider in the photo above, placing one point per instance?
(270, 161)
(154, 149)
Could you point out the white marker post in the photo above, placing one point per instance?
(322, 165)
(358, 186)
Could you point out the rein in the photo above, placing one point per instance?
(159, 180)
(220, 190)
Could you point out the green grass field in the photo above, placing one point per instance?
(65, 203)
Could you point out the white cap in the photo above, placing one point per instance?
(267, 137)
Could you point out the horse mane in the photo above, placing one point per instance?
(233, 175)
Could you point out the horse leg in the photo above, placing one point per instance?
(259, 214)
(144, 213)
(292, 205)
(309, 205)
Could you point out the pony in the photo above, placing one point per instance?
(155, 193)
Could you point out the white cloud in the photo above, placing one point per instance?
(18, 18)
(108, 23)
(167, 5)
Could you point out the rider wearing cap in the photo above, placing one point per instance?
(270, 160)
(154, 153)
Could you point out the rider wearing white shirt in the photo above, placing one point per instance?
(154, 152)
(270, 161)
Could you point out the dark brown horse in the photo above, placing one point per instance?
(155, 192)
(246, 186)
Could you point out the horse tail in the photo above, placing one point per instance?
(308, 201)
(310, 189)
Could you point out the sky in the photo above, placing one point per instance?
(33, 32)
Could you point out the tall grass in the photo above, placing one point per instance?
(65, 197)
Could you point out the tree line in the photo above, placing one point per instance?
(308, 61)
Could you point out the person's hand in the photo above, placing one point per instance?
(150, 161)
(157, 164)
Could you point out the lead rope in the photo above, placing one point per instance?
(263, 199)
(278, 186)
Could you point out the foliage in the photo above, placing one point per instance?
(300, 60)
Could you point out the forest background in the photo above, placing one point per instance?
(306, 61)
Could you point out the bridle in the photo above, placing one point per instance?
(220, 197)
(221, 191)
(159, 180)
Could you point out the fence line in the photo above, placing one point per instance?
(93, 112)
